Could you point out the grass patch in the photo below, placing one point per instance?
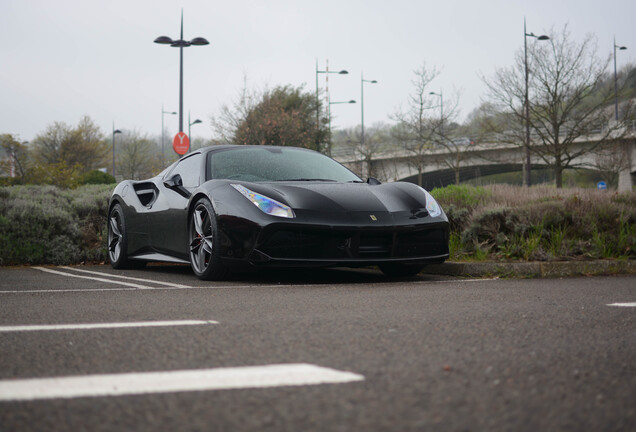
(503, 222)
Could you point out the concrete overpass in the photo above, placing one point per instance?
(480, 159)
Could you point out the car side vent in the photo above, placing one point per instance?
(147, 193)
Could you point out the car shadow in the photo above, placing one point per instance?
(300, 276)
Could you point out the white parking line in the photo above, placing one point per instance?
(65, 290)
(170, 284)
(23, 328)
(623, 304)
(93, 278)
(172, 381)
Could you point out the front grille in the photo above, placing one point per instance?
(354, 244)
(422, 243)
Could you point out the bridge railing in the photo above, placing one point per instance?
(489, 142)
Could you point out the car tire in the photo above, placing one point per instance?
(118, 240)
(203, 236)
(401, 269)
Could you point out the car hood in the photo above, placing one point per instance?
(345, 197)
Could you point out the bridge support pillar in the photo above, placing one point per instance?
(624, 181)
(625, 175)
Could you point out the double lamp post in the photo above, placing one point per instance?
(180, 43)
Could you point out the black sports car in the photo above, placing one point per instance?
(226, 207)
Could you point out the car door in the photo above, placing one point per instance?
(168, 222)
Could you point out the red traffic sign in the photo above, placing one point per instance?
(181, 143)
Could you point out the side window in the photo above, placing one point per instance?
(190, 171)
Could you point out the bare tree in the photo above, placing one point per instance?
(136, 156)
(376, 139)
(231, 116)
(416, 127)
(567, 101)
(425, 126)
(48, 144)
(454, 148)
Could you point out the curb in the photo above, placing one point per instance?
(554, 269)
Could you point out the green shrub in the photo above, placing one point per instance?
(97, 177)
(539, 223)
(462, 196)
(492, 227)
(49, 225)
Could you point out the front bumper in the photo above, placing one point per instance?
(301, 244)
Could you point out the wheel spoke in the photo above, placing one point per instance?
(201, 255)
(114, 239)
(201, 239)
(114, 227)
(198, 222)
(117, 251)
(114, 247)
(207, 244)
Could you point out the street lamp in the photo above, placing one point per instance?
(615, 80)
(197, 121)
(329, 115)
(327, 72)
(362, 81)
(441, 110)
(526, 102)
(115, 131)
(181, 43)
(163, 163)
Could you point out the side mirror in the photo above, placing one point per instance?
(373, 181)
(175, 183)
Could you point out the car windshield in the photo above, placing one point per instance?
(265, 164)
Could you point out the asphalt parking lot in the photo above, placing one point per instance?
(92, 348)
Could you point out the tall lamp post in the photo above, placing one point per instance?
(181, 43)
(362, 81)
(327, 72)
(615, 78)
(329, 115)
(115, 131)
(441, 110)
(197, 121)
(526, 102)
(163, 163)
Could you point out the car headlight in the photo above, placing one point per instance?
(265, 204)
(432, 207)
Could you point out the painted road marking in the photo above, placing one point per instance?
(280, 375)
(170, 284)
(23, 328)
(137, 286)
(623, 304)
(65, 290)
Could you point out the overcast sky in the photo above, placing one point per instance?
(63, 59)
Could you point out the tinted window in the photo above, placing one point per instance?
(256, 164)
(190, 171)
